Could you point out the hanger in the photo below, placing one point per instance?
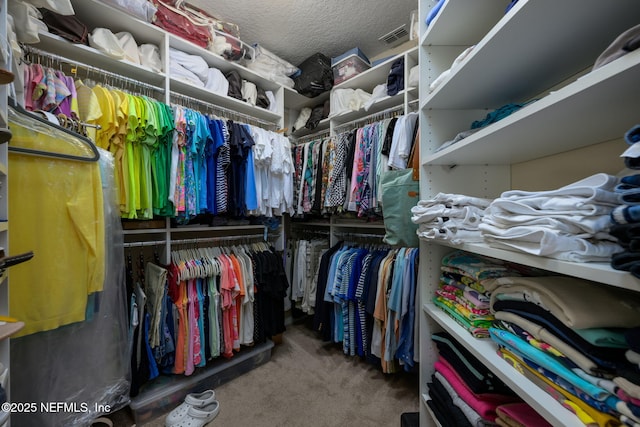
(31, 121)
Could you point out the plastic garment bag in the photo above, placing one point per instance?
(84, 360)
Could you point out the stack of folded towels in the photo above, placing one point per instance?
(450, 217)
(570, 223)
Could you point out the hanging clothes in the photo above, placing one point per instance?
(343, 172)
(365, 299)
(171, 160)
(207, 303)
(65, 215)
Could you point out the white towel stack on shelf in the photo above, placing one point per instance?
(570, 223)
(450, 217)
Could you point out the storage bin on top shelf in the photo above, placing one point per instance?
(349, 64)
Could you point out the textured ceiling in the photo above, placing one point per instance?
(295, 29)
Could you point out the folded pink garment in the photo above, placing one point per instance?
(484, 404)
(522, 414)
(624, 396)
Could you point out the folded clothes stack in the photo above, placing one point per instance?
(450, 217)
(463, 292)
(573, 338)
(625, 218)
(570, 223)
(462, 391)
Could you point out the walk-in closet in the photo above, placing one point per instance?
(319, 214)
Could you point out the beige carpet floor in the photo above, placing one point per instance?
(310, 383)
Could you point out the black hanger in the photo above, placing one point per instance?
(141, 263)
(156, 256)
(22, 118)
(129, 273)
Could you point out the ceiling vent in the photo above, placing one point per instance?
(398, 35)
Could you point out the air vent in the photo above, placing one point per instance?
(400, 34)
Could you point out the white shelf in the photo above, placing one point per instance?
(526, 43)
(531, 52)
(96, 14)
(486, 351)
(378, 106)
(599, 106)
(222, 64)
(594, 271)
(197, 92)
(478, 15)
(295, 101)
(323, 126)
(369, 79)
(425, 398)
(90, 56)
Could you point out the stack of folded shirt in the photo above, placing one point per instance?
(450, 217)
(628, 383)
(625, 218)
(570, 223)
(570, 333)
(462, 293)
(462, 391)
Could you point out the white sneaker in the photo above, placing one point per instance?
(197, 400)
(199, 417)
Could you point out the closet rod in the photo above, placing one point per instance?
(193, 241)
(318, 135)
(222, 111)
(218, 239)
(28, 50)
(371, 118)
(360, 235)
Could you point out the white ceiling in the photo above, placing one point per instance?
(296, 29)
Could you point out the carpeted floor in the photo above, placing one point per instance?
(310, 383)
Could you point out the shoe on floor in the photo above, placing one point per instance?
(197, 400)
(199, 417)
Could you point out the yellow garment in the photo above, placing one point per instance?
(56, 210)
(117, 148)
(587, 414)
(88, 108)
(108, 120)
(133, 168)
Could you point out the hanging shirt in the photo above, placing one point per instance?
(89, 110)
(56, 207)
(211, 154)
(106, 120)
(223, 162)
(205, 139)
(117, 147)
